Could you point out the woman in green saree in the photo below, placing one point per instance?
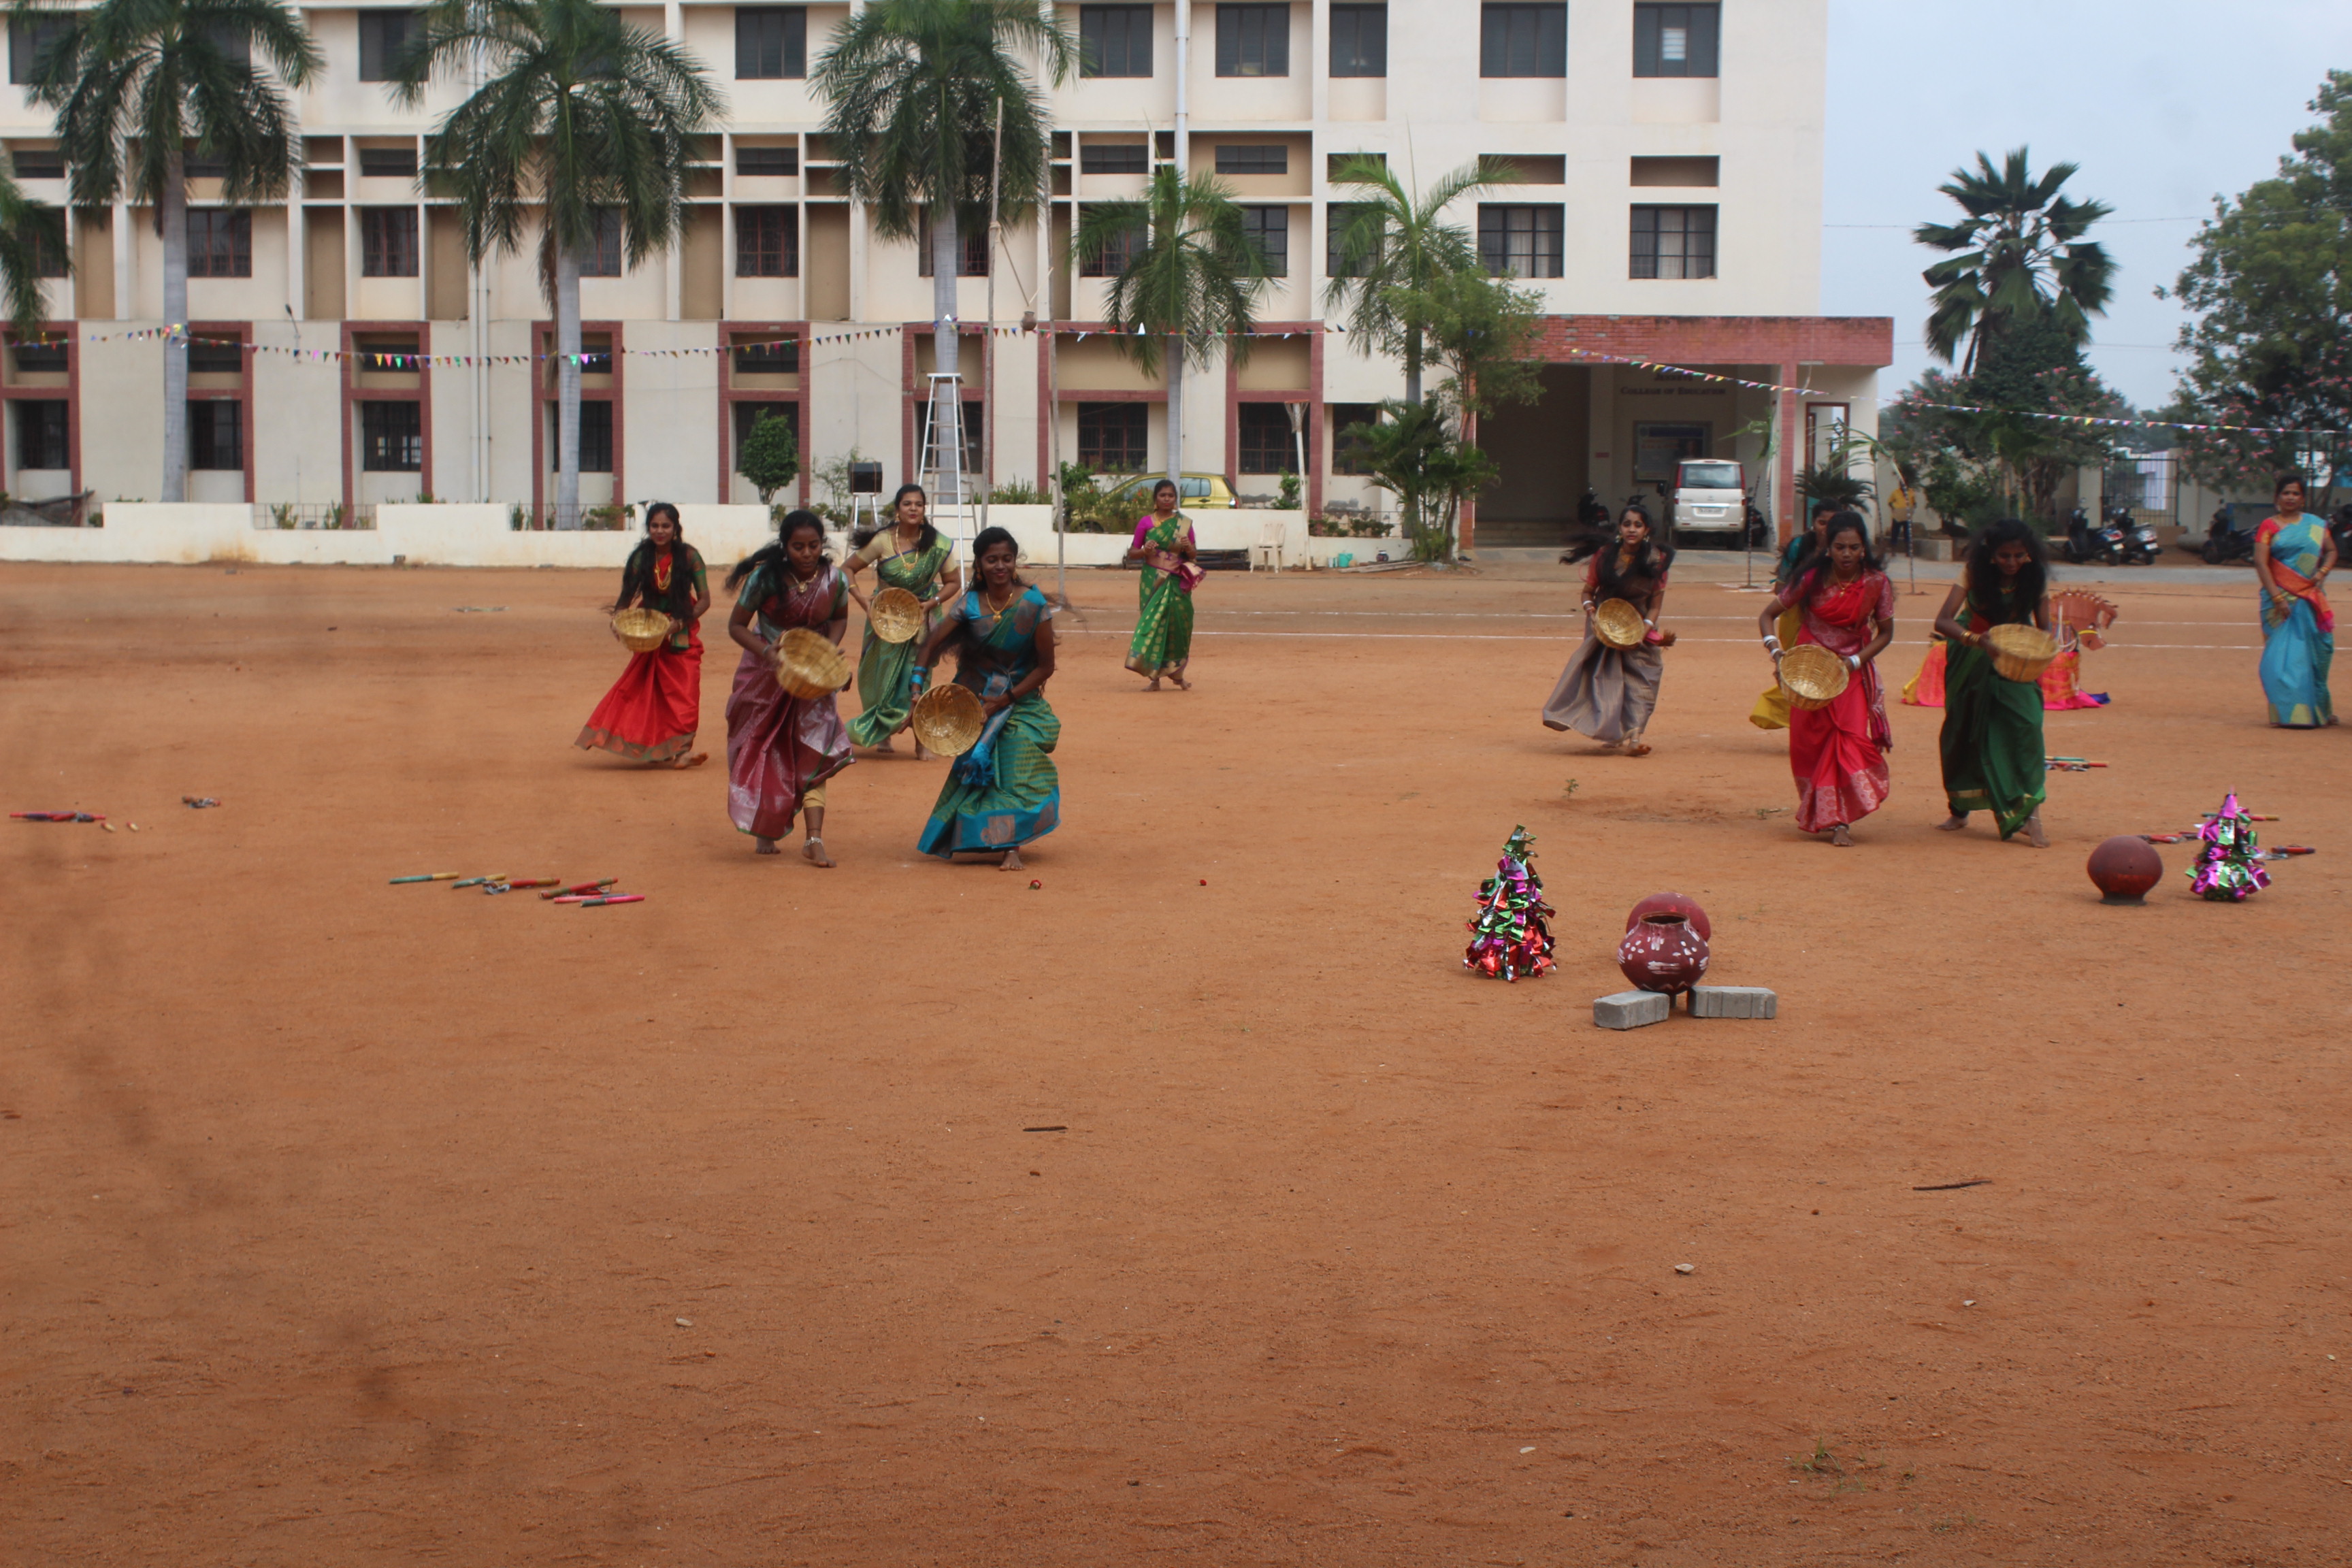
(1163, 644)
(1004, 792)
(913, 555)
(1992, 747)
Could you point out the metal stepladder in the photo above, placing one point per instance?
(946, 479)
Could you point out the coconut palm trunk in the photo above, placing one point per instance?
(1175, 374)
(567, 386)
(172, 210)
(947, 253)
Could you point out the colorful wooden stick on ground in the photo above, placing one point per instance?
(612, 899)
(582, 888)
(429, 876)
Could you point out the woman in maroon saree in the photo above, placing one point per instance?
(780, 748)
(1838, 753)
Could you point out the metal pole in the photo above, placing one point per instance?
(988, 339)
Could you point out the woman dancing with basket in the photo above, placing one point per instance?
(1991, 743)
(1772, 710)
(2293, 554)
(913, 556)
(1163, 644)
(651, 713)
(780, 748)
(1838, 751)
(1004, 792)
(1609, 692)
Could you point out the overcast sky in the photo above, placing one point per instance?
(2163, 103)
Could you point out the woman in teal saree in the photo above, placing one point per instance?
(1162, 645)
(1004, 792)
(2293, 556)
(1991, 741)
(911, 554)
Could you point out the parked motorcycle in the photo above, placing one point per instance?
(2085, 543)
(2140, 546)
(2339, 528)
(2224, 541)
(1759, 528)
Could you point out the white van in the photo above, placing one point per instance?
(1710, 497)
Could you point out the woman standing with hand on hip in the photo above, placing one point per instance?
(911, 554)
(780, 748)
(2293, 554)
(1163, 644)
(1837, 752)
(1609, 692)
(1991, 741)
(651, 713)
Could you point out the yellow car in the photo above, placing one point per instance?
(1200, 490)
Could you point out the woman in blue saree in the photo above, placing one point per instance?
(1004, 792)
(2293, 556)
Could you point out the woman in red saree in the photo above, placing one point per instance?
(653, 711)
(1839, 752)
(780, 748)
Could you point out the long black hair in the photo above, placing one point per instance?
(1808, 546)
(1813, 567)
(1983, 577)
(637, 574)
(930, 534)
(1649, 562)
(777, 555)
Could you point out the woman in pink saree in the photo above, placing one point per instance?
(780, 748)
(1838, 753)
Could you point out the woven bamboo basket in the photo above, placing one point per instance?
(1619, 624)
(1812, 676)
(641, 631)
(808, 665)
(896, 615)
(948, 720)
(2020, 652)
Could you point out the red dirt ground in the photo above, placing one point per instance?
(358, 1224)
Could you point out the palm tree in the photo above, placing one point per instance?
(139, 85)
(2022, 257)
(580, 115)
(1189, 283)
(30, 231)
(1394, 249)
(914, 91)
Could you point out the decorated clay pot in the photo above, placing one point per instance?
(1663, 953)
(1681, 904)
(2124, 867)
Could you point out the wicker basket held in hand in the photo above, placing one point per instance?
(1619, 624)
(641, 631)
(808, 665)
(948, 720)
(1812, 676)
(896, 615)
(2020, 652)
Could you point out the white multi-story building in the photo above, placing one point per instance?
(1665, 203)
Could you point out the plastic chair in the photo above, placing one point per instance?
(1269, 546)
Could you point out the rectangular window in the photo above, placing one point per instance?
(220, 242)
(602, 257)
(767, 242)
(1115, 40)
(1676, 40)
(1273, 158)
(595, 436)
(379, 353)
(1523, 41)
(1114, 258)
(1360, 40)
(1113, 438)
(215, 356)
(38, 162)
(1266, 443)
(26, 39)
(1253, 40)
(383, 35)
(767, 354)
(388, 163)
(217, 433)
(39, 356)
(1339, 218)
(1347, 419)
(392, 437)
(1113, 158)
(41, 434)
(747, 415)
(387, 242)
(1268, 228)
(971, 235)
(771, 42)
(768, 162)
(1519, 241)
(1674, 242)
(45, 227)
